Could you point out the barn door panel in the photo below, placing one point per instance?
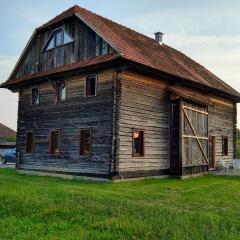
(195, 135)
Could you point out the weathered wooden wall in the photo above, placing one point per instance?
(221, 123)
(87, 44)
(129, 101)
(145, 105)
(77, 112)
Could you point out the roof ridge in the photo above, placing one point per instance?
(112, 21)
(51, 21)
(76, 9)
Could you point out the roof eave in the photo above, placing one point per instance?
(97, 65)
(235, 98)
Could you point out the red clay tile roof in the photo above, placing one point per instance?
(5, 132)
(143, 50)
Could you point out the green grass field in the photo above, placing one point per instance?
(47, 208)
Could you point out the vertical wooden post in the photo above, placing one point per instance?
(181, 145)
(235, 131)
(114, 163)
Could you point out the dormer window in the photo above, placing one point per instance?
(58, 38)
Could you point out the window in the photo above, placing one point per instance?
(55, 141)
(58, 38)
(60, 93)
(138, 143)
(91, 86)
(104, 47)
(85, 142)
(29, 142)
(35, 96)
(225, 146)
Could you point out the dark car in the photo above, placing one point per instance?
(9, 156)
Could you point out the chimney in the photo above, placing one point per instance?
(159, 37)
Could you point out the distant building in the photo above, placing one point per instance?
(5, 134)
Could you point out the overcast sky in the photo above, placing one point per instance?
(207, 31)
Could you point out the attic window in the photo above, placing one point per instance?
(58, 38)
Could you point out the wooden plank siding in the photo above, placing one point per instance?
(221, 123)
(69, 116)
(144, 105)
(194, 135)
(87, 45)
(125, 100)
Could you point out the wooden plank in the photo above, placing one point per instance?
(188, 136)
(195, 110)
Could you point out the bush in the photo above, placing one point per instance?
(238, 144)
(11, 138)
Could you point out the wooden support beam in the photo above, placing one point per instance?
(189, 136)
(195, 110)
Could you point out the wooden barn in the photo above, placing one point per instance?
(98, 99)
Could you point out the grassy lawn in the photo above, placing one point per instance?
(47, 208)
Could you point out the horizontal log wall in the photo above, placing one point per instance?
(77, 112)
(221, 123)
(122, 104)
(144, 105)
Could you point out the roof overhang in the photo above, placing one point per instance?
(96, 63)
(190, 95)
(176, 80)
(108, 60)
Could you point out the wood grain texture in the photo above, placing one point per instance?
(144, 105)
(221, 123)
(87, 44)
(125, 100)
(69, 116)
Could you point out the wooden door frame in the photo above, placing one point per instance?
(173, 161)
(213, 152)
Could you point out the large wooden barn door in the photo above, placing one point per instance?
(194, 138)
(189, 138)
